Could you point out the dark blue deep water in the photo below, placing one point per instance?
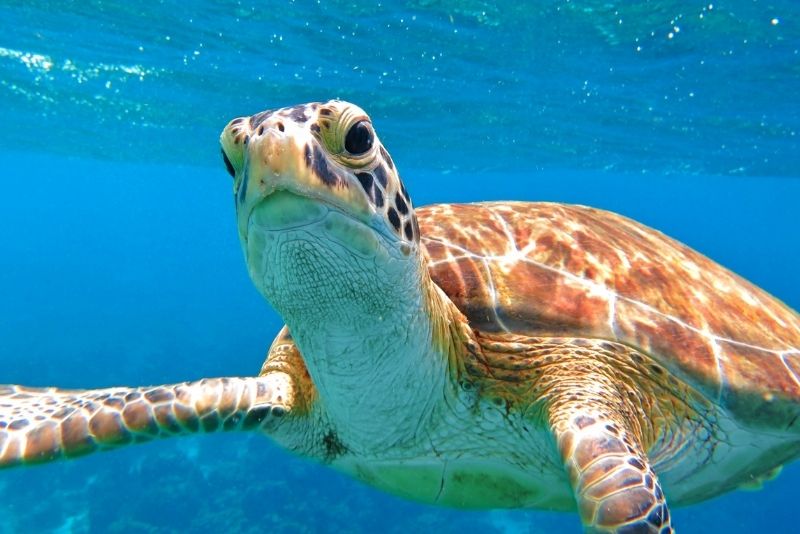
(119, 261)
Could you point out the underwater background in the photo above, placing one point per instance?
(119, 260)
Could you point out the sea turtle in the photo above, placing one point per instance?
(498, 354)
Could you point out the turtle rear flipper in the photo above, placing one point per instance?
(43, 424)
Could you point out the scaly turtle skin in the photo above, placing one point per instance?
(484, 355)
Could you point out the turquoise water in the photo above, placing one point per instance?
(120, 262)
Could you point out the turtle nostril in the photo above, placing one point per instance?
(280, 126)
(228, 164)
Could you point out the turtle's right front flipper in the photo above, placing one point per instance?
(44, 424)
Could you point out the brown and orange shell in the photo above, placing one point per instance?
(563, 270)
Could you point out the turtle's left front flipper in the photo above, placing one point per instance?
(616, 489)
(43, 424)
(602, 407)
(606, 404)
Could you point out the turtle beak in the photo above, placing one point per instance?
(280, 155)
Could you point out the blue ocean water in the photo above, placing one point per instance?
(120, 261)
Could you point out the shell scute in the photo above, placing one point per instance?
(570, 310)
(690, 352)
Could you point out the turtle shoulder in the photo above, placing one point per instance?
(555, 269)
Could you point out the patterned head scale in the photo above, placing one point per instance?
(325, 151)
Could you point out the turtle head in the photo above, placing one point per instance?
(332, 242)
(319, 205)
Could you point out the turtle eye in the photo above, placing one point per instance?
(228, 165)
(359, 138)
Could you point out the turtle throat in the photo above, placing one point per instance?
(374, 331)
